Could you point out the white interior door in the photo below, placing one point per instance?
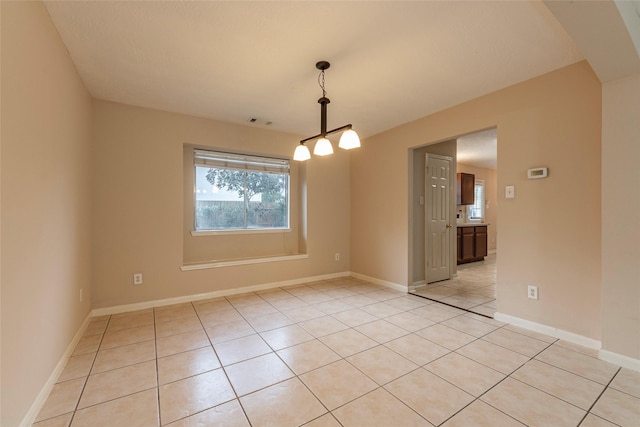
(437, 216)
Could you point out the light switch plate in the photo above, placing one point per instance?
(509, 192)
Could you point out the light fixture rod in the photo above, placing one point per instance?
(320, 135)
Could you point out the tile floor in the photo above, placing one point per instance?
(339, 352)
(473, 289)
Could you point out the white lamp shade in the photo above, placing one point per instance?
(302, 153)
(349, 140)
(323, 147)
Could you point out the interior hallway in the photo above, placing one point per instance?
(473, 289)
(339, 352)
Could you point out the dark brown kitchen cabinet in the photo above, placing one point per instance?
(472, 243)
(466, 183)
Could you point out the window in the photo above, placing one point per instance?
(236, 191)
(476, 211)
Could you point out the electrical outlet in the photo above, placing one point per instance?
(81, 296)
(137, 279)
(337, 256)
(532, 292)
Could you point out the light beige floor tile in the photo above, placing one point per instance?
(127, 336)
(288, 303)
(174, 327)
(619, 408)
(333, 306)
(470, 376)
(627, 381)
(409, 321)
(228, 414)
(359, 300)
(126, 322)
(271, 295)
(488, 309)
(88, 344)
(186, 397)
(480, 414)
(315, 298)
(493, 356)
(129, 313)
(255, 310)
(125, 355)
(286, 337)
(118, 383)
(260, 372)
(348, 342)
(434, 312)
(220, 317)
(595, 421)
(173, 312)
(354, 317)
(135, 410)
(417, 349)
(470, 326)
(408, 302)
(446, 336)
(569, 387)
(59, 421)
(428, 395)
(288, 403)
(77, 367)
(340, 293)
(542, 337)
(532, 406)
(577, 348)
(381, 364)
(382, 331)
(338, 383)
(242, 300)
(62, 399)
(229, 331)
(269, 321)
(302, 314)
(492, 321)
(323, 326)
(384, 294)
(579, 364)
(516, 342)
(211, 305)
(327, 420)
(381, 310)
(96, 328)
(180, 343)
(461, 302)
(307, 356)
(378, 408)
(298, 290)
(240, 349)
(183, 365)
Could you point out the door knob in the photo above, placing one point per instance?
(449, 226)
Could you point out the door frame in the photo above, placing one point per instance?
(452, 208)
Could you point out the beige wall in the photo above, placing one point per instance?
(549, 234)
(620, 217)
(490, 177)
(139, 206)
(46, 182)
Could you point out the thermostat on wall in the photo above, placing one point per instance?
(536, 173)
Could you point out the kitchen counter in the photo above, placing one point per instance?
(471, 224)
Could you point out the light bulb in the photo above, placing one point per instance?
(349, 140)
(302, 153)
(323, 147)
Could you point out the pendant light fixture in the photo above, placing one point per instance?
(323, 147)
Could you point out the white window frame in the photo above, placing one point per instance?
(241, 162)
(479, 197)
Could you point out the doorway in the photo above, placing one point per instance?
(438, 226)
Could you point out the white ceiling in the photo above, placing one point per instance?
(392, 61)
(479, 149)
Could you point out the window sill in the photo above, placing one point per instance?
(231, 263)
(196, 233)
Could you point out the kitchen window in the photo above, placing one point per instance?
(240, 192)
(476, 211)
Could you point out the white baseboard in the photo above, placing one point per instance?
(549, 330)
(492, 251)
(394, 286)
(37, 405)
(214, 294)
(619, 359)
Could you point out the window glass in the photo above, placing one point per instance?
(476, 211)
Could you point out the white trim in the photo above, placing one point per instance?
(395, 286)
(492, 251)
(37, 404)
(619, 359)
(200, 233)
(218, 264)
(418, 284)
(213, 294)
(549, 330)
